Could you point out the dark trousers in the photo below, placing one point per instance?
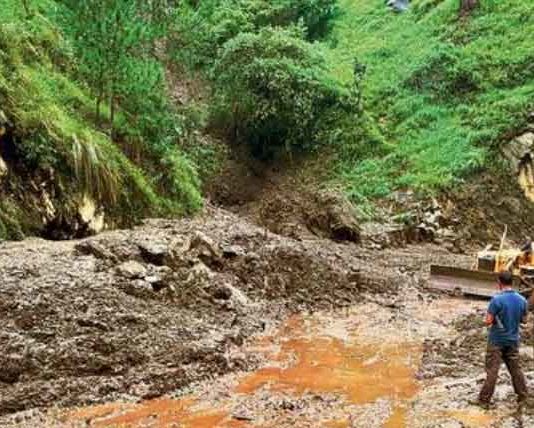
(495, 355)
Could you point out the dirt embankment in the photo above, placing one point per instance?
(293, 199)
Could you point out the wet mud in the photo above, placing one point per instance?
(191, 323)
(330, 369)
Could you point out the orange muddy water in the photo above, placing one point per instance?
(305, 357)
(308, 356)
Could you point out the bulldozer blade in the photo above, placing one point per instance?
(463, 281)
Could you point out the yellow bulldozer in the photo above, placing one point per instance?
(481, 279)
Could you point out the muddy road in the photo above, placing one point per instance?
(214, 322)
(365, 366)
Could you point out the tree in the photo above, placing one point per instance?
(273, 89)
(467, 6)
(115, 41)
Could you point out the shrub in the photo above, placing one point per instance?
(445, 74)
(203, 28)
(272, 91)
(317, 16)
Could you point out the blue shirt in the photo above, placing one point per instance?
(508, 308)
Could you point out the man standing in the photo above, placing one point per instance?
(507, 310)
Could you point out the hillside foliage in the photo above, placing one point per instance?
(90, 110)
(446, 90)
(418, 100)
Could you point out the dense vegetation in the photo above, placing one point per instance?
(86, 98)
(271, 85)
(416, 100)
(446, 90)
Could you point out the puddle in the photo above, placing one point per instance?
(471, 418)
(161, 413)
(304, 357)
(398, 419)
(362, 374)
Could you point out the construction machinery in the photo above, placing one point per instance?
(481, 279)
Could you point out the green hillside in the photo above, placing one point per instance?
(420, 100)
(58, 150)
(445, 91)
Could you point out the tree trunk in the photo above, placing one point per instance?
(466, 6)
(98, 111)
(27, 9)
(100, 95)
(112, 115)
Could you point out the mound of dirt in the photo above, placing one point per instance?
(285, 199)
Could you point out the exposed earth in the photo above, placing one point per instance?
(214, 321)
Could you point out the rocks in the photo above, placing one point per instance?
(520, 153)
(132, 270)
(99, 319)
(160, 279)
(4, 124)
(3, 168)
(333, 217)
(155, 253)
(385, 235)
(204, 245)
(519, 149)
(235, 297)
(79, 218)
(96, 249)
(436, 225)
(90, 215)
(398, 5)
(232, 251)
(139, 288)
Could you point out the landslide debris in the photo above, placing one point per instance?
(137, 313)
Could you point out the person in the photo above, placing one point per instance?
(506, 311)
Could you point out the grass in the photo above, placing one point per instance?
(53, 116)
(445, 92)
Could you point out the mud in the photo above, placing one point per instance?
(139, 313)
(199, 312)
(328, 369)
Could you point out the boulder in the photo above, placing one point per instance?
(91, 216)
(138, 288)
(520, 154)
(232, 297)
(132, 270)
(49, 210)
(3, 131)
(233, 251)
(205, 245)
(518, 149)
(95, 249)
(399, 5)
(159, 278)
(155, 253)
(3, 168)
(333, 216)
